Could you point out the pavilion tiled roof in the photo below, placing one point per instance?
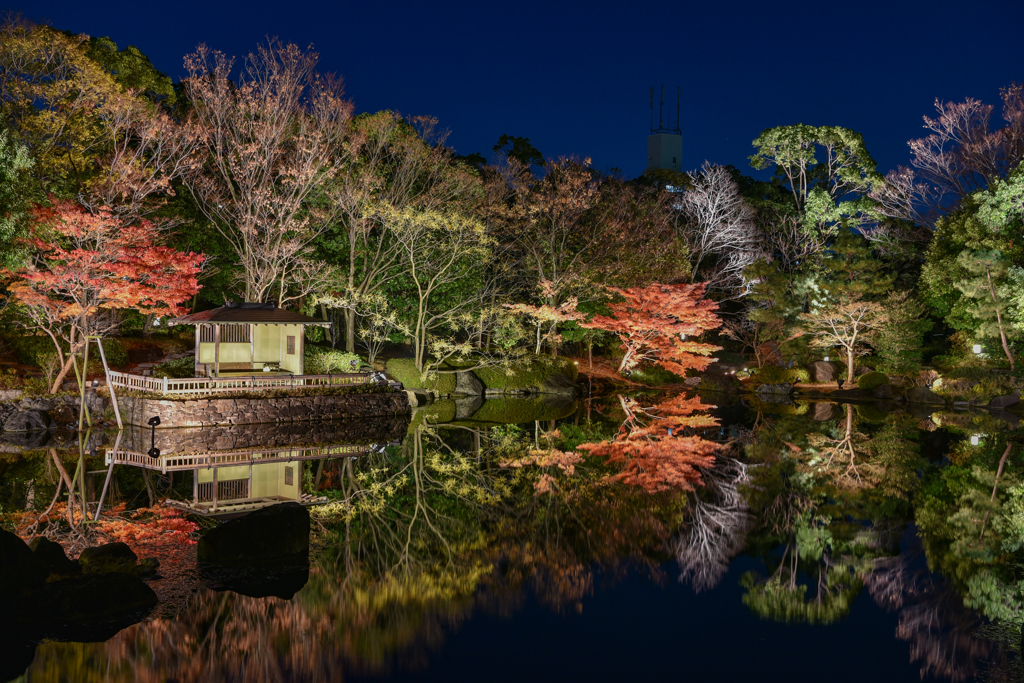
(258, 314)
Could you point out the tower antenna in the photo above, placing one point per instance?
(661, 109)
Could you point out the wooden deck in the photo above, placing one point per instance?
(194, 461)
(240, 506)
(234, 383)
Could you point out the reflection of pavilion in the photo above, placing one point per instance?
(236, 482)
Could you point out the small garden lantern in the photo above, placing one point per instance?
(826, 359)
(975, 439)
(977, 349)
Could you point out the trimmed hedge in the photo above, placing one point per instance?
(521, 410)
(528, 375)
(180, 368)
(404, 370)
(871, 380)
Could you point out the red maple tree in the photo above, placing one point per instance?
(653, 448)
(88, 264)
(653, 322)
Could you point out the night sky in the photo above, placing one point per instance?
(575, 77)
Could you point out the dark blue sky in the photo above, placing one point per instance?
(575, 77)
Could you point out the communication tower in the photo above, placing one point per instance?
(665, 143)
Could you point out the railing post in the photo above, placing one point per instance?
(165, 385)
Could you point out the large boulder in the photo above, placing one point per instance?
(88, 599)
(854, 394)
(108, 558)
(467, 406)
(19, 567)
(278, 533)
(784, 388)
(467, 384)
(721, 383)
(16, 656)
(561, 385)
(27, 440)
(52, 556)
(257, 582)
(1005, 401)
(824, 411)
(417, 397)
(823, 372)
(923, 395)
(886, 392)
(27, 421)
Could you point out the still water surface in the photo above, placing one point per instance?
(825, 541)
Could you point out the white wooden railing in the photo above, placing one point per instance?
(192, 461)
(224, 385)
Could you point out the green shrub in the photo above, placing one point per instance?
(27, 350)
(872, 380)
(321, 360)
(773, 374)
(404, 370)
(35, 351)
(9, 380)
(180, 368)
(117, 355)
(802, 375)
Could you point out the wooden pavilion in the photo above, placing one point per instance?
(243, 337)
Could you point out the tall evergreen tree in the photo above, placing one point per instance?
(985, 286)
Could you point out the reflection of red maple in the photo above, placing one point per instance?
(649, 448)
(652, 324)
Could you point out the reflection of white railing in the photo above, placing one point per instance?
(223, 385)
(192, 461)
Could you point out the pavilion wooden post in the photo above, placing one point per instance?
(216, 350)
(195, 487)
(199, 327)
(252, 346)
(214, 488)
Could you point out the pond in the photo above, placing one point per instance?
(853, 542)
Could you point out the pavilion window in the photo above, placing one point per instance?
(291, 345)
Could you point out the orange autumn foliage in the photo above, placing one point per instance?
(96, 263)
(650, 450)
(652, 323)
(146, 525)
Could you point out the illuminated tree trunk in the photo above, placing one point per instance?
(999, 317)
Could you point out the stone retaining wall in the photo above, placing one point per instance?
(208, 412)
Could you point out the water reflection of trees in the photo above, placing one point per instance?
(831, 501)
(414, 541)
(418, 538)
(716, 524)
